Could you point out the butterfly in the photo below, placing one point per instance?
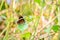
(21, 20)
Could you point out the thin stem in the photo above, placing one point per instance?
(7, 31)
(43, 27)
(1, 4)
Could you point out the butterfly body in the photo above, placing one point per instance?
(20, 20)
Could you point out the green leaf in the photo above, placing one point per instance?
(26, 35)
(22, 27)
(40, 2)
(48, 30)
(55, 28)
(37, 1)
(3, 6)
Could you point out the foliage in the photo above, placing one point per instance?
(23, 26)
(39, 16)
(56, 28)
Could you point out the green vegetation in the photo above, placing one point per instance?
(29, 19)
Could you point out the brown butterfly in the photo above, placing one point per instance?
(21, 20)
